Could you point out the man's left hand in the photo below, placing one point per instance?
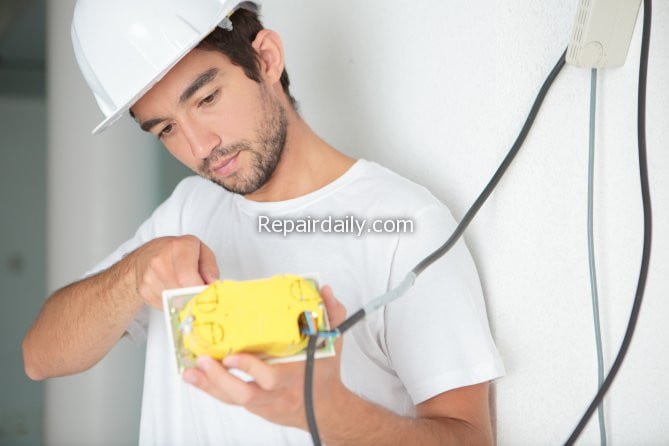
(277, 392)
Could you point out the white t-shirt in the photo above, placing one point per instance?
(434, 339)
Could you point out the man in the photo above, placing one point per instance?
(416, 371)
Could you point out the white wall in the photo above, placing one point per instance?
(438, 91)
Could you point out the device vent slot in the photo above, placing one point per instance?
(577, 35)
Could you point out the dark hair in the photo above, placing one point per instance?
(236, 45)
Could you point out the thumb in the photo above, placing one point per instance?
(207, 266)
(336, 311)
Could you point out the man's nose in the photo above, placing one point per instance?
(200, 138)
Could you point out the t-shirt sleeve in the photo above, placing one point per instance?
(437, 335)
(166, 220)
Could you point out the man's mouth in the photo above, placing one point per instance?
(225, 166)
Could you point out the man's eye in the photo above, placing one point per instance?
(209, 99)
(165, 131)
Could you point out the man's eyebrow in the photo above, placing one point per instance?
(198, 83)
(148, 125)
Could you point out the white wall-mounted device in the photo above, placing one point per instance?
(602, 33)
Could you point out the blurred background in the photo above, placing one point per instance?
(435, 90)
(23, 201)
(56, 181)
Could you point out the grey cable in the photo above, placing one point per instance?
(391, 295)
(591, 251)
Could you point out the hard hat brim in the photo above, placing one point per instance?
(107, 122)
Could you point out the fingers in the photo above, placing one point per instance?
(266, 376)
(211, 377)
(207, 265)
(185, 257)
(172, 262)
(336, 311)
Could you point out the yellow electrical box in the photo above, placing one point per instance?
(272, 317)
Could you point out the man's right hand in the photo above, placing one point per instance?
(81, 322)
(171, 262)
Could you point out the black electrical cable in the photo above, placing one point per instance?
(501, 170)
(308, 389)
(351, 321)
(421, 266)
(647, 227)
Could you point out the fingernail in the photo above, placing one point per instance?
(203, 363)
(231, 361)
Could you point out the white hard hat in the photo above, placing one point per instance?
(124, 47)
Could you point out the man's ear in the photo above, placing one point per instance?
(270, 49)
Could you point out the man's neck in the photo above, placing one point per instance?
(307, 164)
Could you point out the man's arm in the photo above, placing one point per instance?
(459, 416)
(81, 322)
